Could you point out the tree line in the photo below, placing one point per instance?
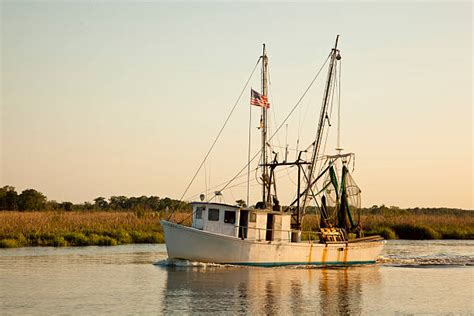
(33, 200)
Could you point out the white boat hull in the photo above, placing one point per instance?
(192, 244)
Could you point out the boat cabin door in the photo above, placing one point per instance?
(243, 224)
(269, 234)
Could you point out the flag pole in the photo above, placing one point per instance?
(248, 156)
(265, 194)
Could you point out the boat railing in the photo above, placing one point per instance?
(310, 235)
(243, 233)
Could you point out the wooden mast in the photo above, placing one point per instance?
(265, 177)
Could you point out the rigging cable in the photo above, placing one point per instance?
(284, 121)
(192, 197)
(229, 187)
(329, 118)
(222, 128)
(205, 179)
(278, 137)
(254, 182)
(258, 152)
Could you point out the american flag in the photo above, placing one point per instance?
(258, 99)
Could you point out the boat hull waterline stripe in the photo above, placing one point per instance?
(279, 264)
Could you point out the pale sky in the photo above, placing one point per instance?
(125, 98)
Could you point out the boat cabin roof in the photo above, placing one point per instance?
(267, 211)
(212, 203)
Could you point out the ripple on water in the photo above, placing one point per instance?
(423, 261)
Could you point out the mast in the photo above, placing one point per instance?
(322, 119)
(339, 149)
(265, 177)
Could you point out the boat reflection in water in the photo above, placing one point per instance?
(267, 291)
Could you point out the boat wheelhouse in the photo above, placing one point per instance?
(244, 223)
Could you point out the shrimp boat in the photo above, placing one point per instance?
(270, 234)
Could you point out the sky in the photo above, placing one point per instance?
(125, 98)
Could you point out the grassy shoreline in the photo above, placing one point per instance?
(106, 228)
(91, 228)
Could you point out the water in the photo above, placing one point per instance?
(412, 277)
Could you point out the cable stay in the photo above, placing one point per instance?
(281, 124)
(220, 131)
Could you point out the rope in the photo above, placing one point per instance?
(300, 99)
(256, 182)
(220, 131)
(192, 197)
(284, 121)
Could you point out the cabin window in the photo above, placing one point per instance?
(229, 217)
(253, 217)
(213, 214)
(199, 212)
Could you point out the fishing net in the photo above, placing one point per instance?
(353, 195)
(340, 199)
(329, 196)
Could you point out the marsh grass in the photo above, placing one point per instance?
(412, 226)
(60, 229)
(20, 229)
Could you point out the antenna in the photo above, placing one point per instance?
(286, 144)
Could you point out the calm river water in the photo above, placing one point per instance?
(412, 277)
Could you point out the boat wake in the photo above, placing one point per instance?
(426, 261)
(189, 264)
(390, 260)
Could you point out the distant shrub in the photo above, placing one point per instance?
(33, 238)
(76, 239)
(21, 239)
(385, 232)
(106, 241)
(94, 239)
(146, 238)
(457, 232)
(9, 243)
(410, 231)
(59, 241)
(122, 236)
(47, 239)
